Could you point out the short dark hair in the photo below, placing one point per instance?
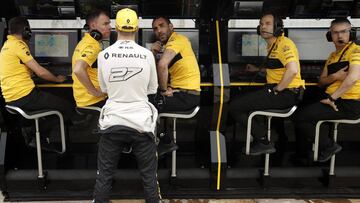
(95, 14)
(277, 19)
(18, 24)
(163, 17)
(339, 21)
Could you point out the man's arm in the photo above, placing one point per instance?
(289, 75)
(43, 72)
(82, 75)
(326, 79)
(162, 68)
(350, 80)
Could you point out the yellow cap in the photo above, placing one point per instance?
(126, 20)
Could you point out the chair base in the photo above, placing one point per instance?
(42, 181)
(263, 180)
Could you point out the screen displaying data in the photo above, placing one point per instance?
(245, 46)
(53, 46)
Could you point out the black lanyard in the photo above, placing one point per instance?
(347, 48)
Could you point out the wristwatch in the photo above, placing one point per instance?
(162, 91)
(331, 99)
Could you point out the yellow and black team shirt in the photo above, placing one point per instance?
(183, 69)
(15, 76)
(283, 52)
(87, 50)
(349, 55)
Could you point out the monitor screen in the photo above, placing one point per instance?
(53, 46)
(245, 46)
(148, 37)
(311, 44)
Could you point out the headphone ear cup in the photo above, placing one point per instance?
(278, 27)
(96, 35)
(277, 32)
(328, 36)
(258, 30)
(26, 34)
(352, 34)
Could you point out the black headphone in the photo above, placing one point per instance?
(278, 26)
(26, 33)
(351, 38)
(96, 34)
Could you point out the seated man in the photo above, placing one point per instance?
(340, 76)
(283, 86)
(86, 87)
(127, 73)
(178, 72)
(17, 65)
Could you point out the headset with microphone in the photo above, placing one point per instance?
(96, 34)
(278, 27)
(352, 36)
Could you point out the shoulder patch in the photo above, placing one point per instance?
(286, 48)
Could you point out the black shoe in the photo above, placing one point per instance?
(164, 148)
(328, 152)
(258, 148)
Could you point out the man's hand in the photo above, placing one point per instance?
(169, 92)
(341, 74)
(60, 78)
(97, 93)
(156, 47)
(330, 103)
(252, 68)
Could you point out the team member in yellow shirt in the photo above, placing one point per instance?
(16, 68)
(284, 83)
(176, 60)
(340, 76)
(86, 86)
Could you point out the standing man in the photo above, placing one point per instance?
(178, 73)
(86, 85)
(283, 87)
(16, 68)
(127, 73)
(340, 76)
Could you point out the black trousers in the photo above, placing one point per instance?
(40, 100)
(110, 147)
(180, 101)
(307, 117)
(241, 107)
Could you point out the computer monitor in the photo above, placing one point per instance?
(53, 46)
(311, 44)
(148, 37)
(245, 46)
